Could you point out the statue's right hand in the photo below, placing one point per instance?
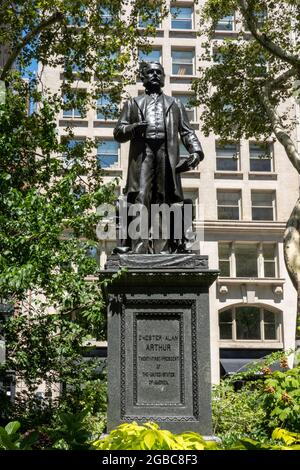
(138, 128)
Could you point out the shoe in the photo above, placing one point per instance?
(121, 250)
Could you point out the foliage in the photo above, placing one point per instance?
(232, 88)
(11, 439)
(273, 395)
(289, 438)
(49, 189)
(282, 440)
(233, 416)
(71, 432)
(251, 85)
(79, 394)
(132, 436)
(281, 399)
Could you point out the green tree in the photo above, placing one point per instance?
(49, 189)
(249, 87)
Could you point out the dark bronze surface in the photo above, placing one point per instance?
(153, 123)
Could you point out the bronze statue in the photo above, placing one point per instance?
(152, 123)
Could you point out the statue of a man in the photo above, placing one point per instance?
(152, 123)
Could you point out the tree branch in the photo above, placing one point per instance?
(278, 81)
(263, 39)
(279, 129)
(57, 17)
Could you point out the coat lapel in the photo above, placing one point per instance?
(169, 100)
(141, 104)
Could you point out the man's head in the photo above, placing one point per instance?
(152, 75)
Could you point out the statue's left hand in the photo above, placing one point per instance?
(193, 160)
(190, 163)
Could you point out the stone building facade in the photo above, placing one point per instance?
(242, 200)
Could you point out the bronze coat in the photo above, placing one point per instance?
(176, 121)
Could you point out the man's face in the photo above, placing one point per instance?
(153, 75)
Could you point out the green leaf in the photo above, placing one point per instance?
(149, 439)
(12, 427)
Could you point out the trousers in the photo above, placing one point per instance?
(156, 187)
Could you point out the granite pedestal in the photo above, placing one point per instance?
(159, 341)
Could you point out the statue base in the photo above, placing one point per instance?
(159, 341)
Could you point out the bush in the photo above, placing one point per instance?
(281, 440)
(132, 436)
(11, 439)
(281, 399)
(253, 403)
(233, 412)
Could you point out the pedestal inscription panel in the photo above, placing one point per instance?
(157, 380)
(158, 360)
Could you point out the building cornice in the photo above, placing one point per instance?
(235, 226)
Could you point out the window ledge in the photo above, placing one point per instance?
(182, 77)
(107, 123)
(103, 121)
(225, 32)
(245, 225)
(191, 173)
(73, 122)
(159, 32)
(251, 280)
(73, 118)
(250, 344)
(228, 174)
(143, 28)
(186, 33)
(111, 171)
(259, 175)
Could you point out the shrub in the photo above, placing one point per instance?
(132, 436)
(233, 412)
(281, 440)
(11, 439)
(281, 399)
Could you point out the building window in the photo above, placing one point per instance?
(74, 150)
(191, 195)
(154, 20)
(260, 17)
(217, 56)
(269, 259)
(185, 100)
(263, 205)
(229, 205)
(183, 62)
(70, 112)
(153, 56)
(106, 108)
(248, 260)
(249, 323)
(93, 253)
(106, 15)
(78, 19)
(261, 156)
(181, 17)
(227, 156)
(226, 23)
(224, 259)
(107, 153)
(183, 151)
(72, 67)
(226, 324)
